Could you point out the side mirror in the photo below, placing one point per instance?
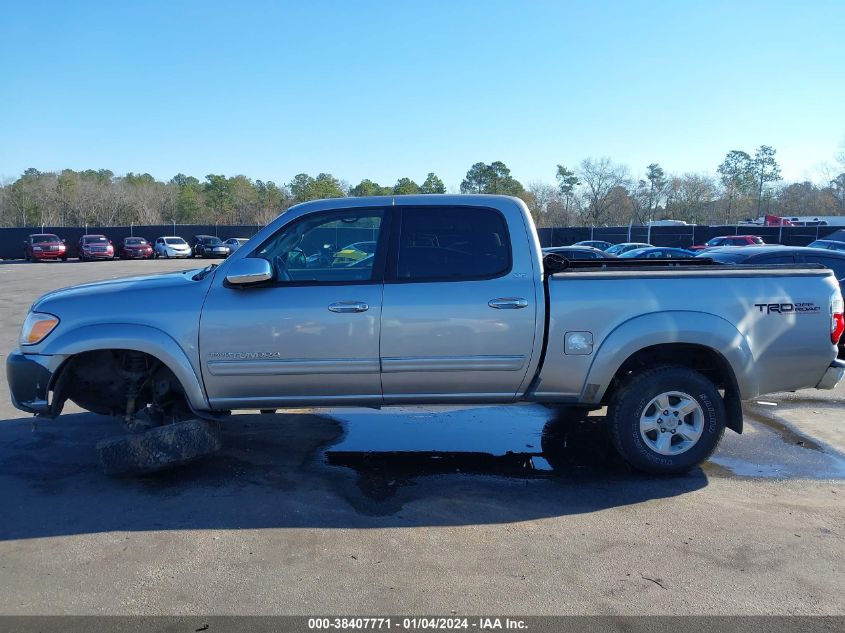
(252, 270)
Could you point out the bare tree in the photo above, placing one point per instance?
(600, 181)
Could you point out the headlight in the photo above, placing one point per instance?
(37, 326)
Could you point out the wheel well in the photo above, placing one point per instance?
(700, 358)
(103, 380)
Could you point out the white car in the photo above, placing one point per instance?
(171, 246)
(234, 243)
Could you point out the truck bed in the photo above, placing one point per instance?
(627, 306)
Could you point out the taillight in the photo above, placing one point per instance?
(837, 316)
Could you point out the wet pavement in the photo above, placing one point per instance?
(375, 462)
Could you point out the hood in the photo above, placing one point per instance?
(140, 287)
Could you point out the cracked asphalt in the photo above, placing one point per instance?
(426, 510)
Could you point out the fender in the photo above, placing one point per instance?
(659, 328)
(141, 338)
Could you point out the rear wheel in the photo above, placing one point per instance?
(666, 420)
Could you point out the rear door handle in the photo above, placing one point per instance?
(349, 306)
(508, 303)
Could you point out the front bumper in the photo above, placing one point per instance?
(833, 375)
(29, 383)
(48, 254)
(136, 254)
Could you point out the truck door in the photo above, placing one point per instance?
(312, 334)
(458, 319)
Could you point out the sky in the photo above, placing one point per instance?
(384, 90)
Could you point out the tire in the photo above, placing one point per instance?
(159, 448)
(633, 410)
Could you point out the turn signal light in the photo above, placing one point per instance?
(37, 326)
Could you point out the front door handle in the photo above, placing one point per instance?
(508, 303)
(349, 306)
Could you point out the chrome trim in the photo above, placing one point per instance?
(453, 363)
(508, 303)
(293, 367)
(345, 307)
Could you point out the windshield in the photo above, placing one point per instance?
(174, 241)
(757, 240)
(136, 241)
(45, 239)
(212, 241)
(94, 239)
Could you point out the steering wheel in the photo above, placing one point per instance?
(282, 273)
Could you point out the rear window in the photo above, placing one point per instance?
(757, 240)
(452, 244)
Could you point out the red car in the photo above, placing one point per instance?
(42, 246)
(134, 248)
(729, 240)
(95, 247)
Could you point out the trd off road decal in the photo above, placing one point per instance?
(806, 307)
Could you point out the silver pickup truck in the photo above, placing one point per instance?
(440, 299)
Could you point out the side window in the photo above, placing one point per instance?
(834, 263)
(335, 246)
(452, 244)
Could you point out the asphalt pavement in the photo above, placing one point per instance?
(416, 510)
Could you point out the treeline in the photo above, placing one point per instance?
(595, 192)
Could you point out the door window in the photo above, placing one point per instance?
(452, 244)
(834, 263)
(336, 246)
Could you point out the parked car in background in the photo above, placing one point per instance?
(729, 240)
(599, 244)
(171, 246)
(769, 254)
(209, 246)
(234, 243)
(42, 246)
(134, 248)
(618, 249)
(354, 252)
(578, 252)
(91, 247)
(831, 245)
(658, 253)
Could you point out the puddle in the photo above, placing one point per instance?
(391, 448)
